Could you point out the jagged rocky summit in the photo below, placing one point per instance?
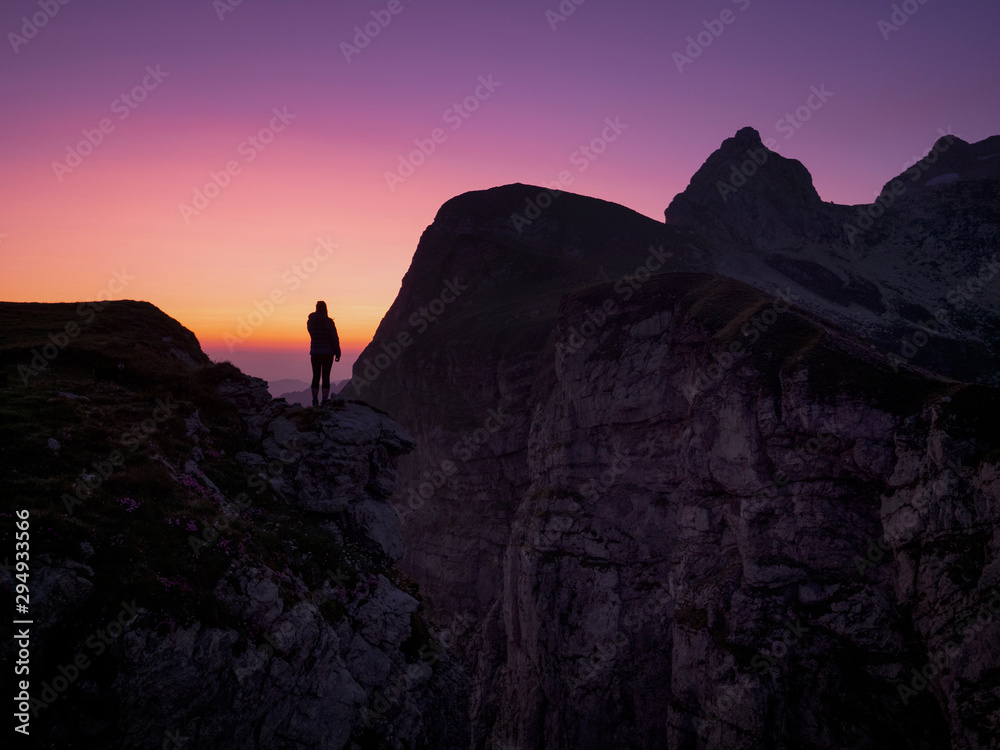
(724, 482)
(912, 273)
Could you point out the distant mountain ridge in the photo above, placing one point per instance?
(649, 455)
(915, 264)
(920, 268)
(278, 388)
(299, 391)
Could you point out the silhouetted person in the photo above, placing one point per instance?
(324, 347)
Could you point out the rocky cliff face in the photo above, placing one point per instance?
(362, 680)
(659, 508)
(758, 554)
(226, 576)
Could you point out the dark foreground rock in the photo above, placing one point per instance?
(223, 572)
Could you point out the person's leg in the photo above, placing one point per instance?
(327, 365)
(315, 360)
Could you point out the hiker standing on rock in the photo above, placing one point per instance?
(324, 347)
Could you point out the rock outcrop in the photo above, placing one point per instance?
(275, 617)
(656, 507)
(301, 680)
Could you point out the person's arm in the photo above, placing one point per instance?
(335, 340)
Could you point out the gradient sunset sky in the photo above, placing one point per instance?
(308, 212)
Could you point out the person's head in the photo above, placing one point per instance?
(321, 309)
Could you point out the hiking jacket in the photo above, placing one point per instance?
(323, 335)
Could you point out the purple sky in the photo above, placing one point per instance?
(887, 94)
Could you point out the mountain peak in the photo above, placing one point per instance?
(743, 183)
(746, 137)
(950, 160)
